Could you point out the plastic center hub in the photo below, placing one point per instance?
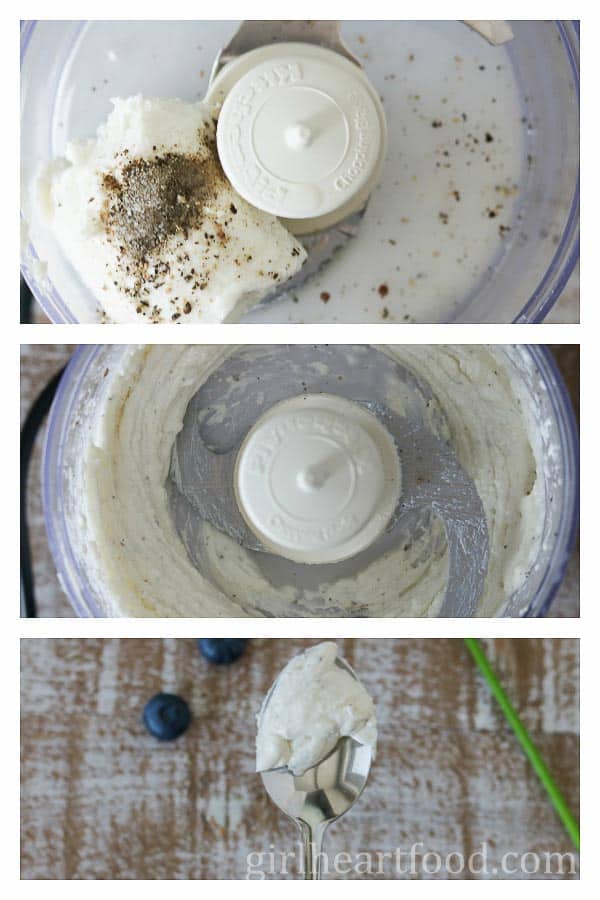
(301, 133)
(317, 479)
(317, 136)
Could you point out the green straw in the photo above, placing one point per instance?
(531, 751)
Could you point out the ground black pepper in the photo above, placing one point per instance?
(153, 200)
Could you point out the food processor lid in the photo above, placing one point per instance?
(301, 132)
(317, 479)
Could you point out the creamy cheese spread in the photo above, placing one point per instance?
(313, 703)
(146, 216)
(121, 525)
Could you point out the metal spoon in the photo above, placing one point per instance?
(323, 793)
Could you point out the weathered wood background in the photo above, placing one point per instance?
(103, 799)
(40, 362)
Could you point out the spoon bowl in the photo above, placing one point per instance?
(326, 791)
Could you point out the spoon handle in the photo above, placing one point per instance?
(312, 842)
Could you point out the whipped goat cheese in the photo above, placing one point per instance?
(125, 538)
(146, 216)
(313, 703)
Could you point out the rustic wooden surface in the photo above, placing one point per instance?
(40, 362)
(101, 798)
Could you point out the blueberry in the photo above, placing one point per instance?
(166, 716)
(221, 651)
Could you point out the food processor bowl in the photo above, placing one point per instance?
(71, 70)
(83, 386)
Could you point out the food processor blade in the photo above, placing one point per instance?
(249, 383)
